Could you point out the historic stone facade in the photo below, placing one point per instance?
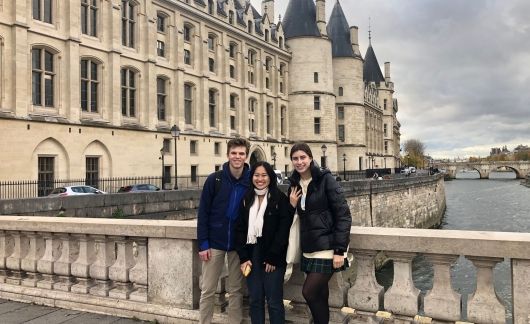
(92, 88)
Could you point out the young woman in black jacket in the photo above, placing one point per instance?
(261, 238)
(325, 223)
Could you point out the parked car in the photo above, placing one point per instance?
(144, 187)
(75, 191)
(412, 169)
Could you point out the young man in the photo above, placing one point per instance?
(218, 211)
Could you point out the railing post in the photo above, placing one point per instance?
(521, 286)
(46, 264)
(484, 305)
(442, 302)
(14, 261)
(62, 267)
(402, 297)
(138, 273)
(366, 294)
(99, 270)
(6, 249)
(119, 271)
(80, 267)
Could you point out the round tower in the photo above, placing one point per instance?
(311, 97)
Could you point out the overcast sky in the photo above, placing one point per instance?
(461, 68)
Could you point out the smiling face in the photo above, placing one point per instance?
(260, 178)
(237, 157)
(301, 162)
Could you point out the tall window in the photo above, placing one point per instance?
(160, 23)
(42, 10)
(283, 113)
(211, 7)
(232, 122)
(193, 147)
(232, 71)
(92, 172)
(266, 35)
(160, 48)
(43, 77)
(280, 42)
(161, 98)
(231, 17)
(232, 49)
(188, 103)
(187, 33)
(267, 83)
(341, 91)
(282, 69)
(128, 23)
(341, 133)
(316, 102)
(46, 171)
(251, 57)
(340, 112)
(268, 119)
(233, 101)
(249, 26)
(385, 129)
(268, 63)
(187, 57)
(317, 125)
(384, 104)
(212, 104)
(194, 173)
(128, 93)
(315, 77)
(211, 65)
(89, 85)
(252, 105)
(211, 42)
(89, 17)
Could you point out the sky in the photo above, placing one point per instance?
(461, 68)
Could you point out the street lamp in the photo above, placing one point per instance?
(344, 161)
(274, 160)
(324, 149)
(175, 132)
(163, 166)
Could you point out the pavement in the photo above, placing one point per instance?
(16, 313)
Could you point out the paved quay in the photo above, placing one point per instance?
(16, 313)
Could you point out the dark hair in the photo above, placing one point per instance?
(300, 146)
(273, 185)
(238, 141)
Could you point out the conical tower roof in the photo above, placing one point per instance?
(371, 70)
(300, 19)
(339, 32)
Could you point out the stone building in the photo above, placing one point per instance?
(91, 88)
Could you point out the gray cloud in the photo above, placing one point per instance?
(461, 68)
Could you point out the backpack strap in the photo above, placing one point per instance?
(218, 181)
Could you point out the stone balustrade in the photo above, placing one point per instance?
(149, 269)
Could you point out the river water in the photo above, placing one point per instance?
(498, 204)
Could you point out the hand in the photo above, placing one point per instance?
(338, 261)
(269, 267)
(295, 196)
(244, 265)
(205, 255)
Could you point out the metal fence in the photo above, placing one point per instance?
(36, 188)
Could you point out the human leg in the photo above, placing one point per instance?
(233, 287)
(316, 294)
(211, 270)
(273, 285)
(255, 292)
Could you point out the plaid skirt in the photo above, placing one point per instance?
(321, 265)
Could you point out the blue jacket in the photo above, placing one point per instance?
(218, 212)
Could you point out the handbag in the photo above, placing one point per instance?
(293, 249)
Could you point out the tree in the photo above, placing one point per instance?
(414, 152)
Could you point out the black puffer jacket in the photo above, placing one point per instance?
(325, 223)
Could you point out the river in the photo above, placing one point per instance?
(498, 204)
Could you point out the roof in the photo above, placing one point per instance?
(371, 70)
(339, 33)
(300, 19)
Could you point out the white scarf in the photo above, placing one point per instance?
(255, 216)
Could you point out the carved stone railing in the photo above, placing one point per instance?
(150, 270)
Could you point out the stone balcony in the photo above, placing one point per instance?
(150, 270)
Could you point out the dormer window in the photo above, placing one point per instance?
(249, 25)
(266, 35)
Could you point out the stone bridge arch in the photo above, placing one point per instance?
(518, 174)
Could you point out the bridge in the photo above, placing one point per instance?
(521, 168)
(150, 270)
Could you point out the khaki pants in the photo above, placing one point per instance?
(211, 270)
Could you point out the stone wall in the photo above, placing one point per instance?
(414, 202)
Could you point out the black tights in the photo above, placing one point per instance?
(316, 294)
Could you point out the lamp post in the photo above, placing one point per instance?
(344, 161)
(163, 166)
(324, 149)
(274, 160)
(175, 132)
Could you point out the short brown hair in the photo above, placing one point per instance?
(300, 146)
(239, 141)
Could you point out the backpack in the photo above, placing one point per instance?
(218, 181)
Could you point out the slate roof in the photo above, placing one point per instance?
(300, 19)
(339, 33)
(371, 70)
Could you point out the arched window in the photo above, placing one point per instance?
(89, 85)
(128, 92)
(212, 107)
(161, 22)
(268, 120)
(188, 103)
(341, 91)
(161, 98)
(315, 77)
(249, 26)
(128, 22)
(43, 77)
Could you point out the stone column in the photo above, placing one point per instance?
(484, 305)
(99, 270)
(521, 286)
(402, 297)
(6, 249)
(119, 271)
(442, 302)
(80, 268)
(172, 272)
(13, 262)
(138, 273)
(366, 294)
(46, 264)
(62, 267)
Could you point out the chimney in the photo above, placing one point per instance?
(267, 7)
(321, 16)
(387, 71)
(354, 38)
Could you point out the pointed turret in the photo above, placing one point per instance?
(339, 32)
(300, 19)
(371, 70)
(267, 8)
